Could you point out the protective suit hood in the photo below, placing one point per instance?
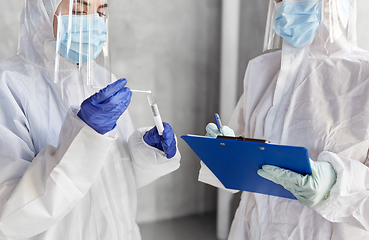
(36, 34)
(335, 37)
(71, 82)
(337, 31)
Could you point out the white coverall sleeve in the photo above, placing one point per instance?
(348, 201)
(36, 195)
(149, 163)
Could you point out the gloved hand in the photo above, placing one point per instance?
(102, 110)
(212, 131)
(165, 143)
(309, 189)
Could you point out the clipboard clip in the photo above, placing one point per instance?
(240, 138)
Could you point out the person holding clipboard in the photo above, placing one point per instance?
(313, 92)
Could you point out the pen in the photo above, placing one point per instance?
(218, 123)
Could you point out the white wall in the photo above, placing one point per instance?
(252, 28)
(172, 48)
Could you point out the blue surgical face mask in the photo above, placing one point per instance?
(81, 37)
(297, 22)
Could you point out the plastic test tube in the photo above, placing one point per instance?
(155, 113)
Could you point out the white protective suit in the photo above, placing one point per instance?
(59, 179)
(316, 97)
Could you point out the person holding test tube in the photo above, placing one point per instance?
(70, 158)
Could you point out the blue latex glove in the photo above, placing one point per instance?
(309, 189)
(102, 110)
(212, 131)
(165, 143)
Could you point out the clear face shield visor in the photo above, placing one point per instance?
(297, 17)
(272, 41)
(82, 57)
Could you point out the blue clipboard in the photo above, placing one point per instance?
(235, 162)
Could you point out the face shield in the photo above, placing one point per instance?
(297, 21)
(81, 43)
(337, 14)
(272, 41)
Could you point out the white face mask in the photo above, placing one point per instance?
(80, 37)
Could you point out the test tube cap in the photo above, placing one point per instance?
(151, 99)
